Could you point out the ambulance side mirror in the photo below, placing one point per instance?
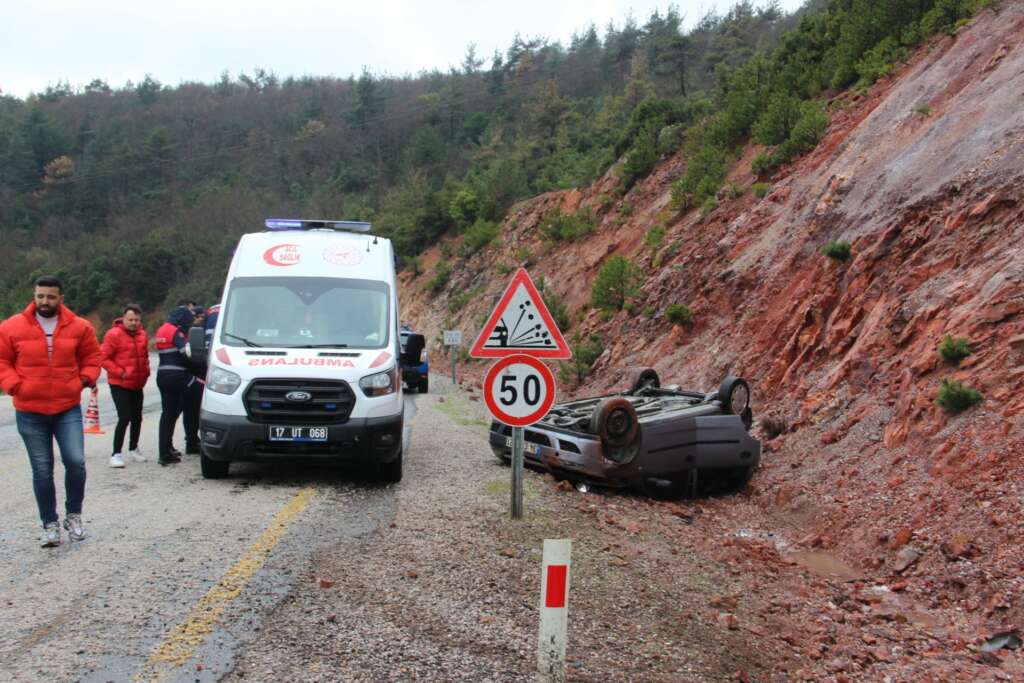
(197, 345)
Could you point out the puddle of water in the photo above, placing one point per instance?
(825, 564)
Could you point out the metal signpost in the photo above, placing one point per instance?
(519, 389)
(453, 340)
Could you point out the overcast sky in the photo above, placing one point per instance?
(46, 41)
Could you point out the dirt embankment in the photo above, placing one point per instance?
(922, 175)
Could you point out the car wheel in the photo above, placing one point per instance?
(734, 393)
(615, 421)
(424, 383)
(647, 378)
(391, 471)
(213, 469)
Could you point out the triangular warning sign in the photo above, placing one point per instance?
(520, 323)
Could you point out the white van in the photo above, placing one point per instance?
(304, 359)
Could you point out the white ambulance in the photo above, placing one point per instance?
(304, 359)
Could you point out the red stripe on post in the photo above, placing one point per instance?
(555, 596)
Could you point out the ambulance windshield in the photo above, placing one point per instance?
(306, 312)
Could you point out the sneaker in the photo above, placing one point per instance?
(116, 460)
(169, 460)
(73, 524)
(51, 539)
(136, 456)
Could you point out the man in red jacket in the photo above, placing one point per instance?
(126, 360)
(47, 355)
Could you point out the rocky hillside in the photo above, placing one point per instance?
(922, 175)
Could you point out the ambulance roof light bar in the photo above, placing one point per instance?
(316, 224)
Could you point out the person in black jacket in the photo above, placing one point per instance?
(194, 395)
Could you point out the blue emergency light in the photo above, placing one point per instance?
(316, 224)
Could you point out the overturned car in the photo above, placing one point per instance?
(659, 440)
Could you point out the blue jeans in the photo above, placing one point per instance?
(38, 432)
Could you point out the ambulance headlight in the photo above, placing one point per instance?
(222, 381)
(380, 384)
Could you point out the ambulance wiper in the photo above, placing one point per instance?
(319, 346)
(242, 339)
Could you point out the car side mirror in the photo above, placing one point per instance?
(414, 345)
(197, 345)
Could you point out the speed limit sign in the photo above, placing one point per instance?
(519, 390)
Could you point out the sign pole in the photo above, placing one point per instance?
(517, 473)
(454, 381)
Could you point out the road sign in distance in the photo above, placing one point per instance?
(453, 337)
(519, 390)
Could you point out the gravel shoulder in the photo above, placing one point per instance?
(449, 589)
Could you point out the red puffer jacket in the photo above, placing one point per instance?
(38, 383)
(126, 356)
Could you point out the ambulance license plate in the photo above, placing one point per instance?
(300, 434)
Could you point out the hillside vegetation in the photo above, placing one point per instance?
(141, 191)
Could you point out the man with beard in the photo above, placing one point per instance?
(47, 356)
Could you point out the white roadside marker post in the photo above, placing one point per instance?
(554, 610)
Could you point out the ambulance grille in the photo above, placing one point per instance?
(331, 402)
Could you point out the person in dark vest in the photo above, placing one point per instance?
(126, 359)
(194, 395)
(174, 377)
(47, 356)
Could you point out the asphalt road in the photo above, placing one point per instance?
(175, 570)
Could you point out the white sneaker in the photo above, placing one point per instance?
(73, 523)
(116, 460)
(51, 535)
(136, 456)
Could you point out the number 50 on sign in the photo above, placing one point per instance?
(519, 390)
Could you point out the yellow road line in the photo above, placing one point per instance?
(182, 641)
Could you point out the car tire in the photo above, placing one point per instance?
(424, 384)
(213, 469)
(727, 480)
(734, 394)
(615, 421)
(390, 471)
(643, 378)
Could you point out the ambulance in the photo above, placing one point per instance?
(304, 361)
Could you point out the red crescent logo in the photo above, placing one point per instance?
(282, 255)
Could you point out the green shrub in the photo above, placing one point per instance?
(479, 235)
(777, 121)
(558, 226)
(412, 263)
(955, 397)
(655, 236)
(679, 314)
(649, 312)
(760, 189)
(458, 301)
(446, 250)
(629, 307)
(524, 256)
(762, 163)
(504, 268)
(839, 251)
(923, 108)
(669, 138)
(626, 209)
(709, 205)
(641, 158)
(584, 354)
(735, 191)
(442, 272)
(880, 60)
(954, 349)
(464, 208)
(616, 282)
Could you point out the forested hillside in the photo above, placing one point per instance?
(140, 192)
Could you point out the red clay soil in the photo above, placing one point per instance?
(920, 510)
